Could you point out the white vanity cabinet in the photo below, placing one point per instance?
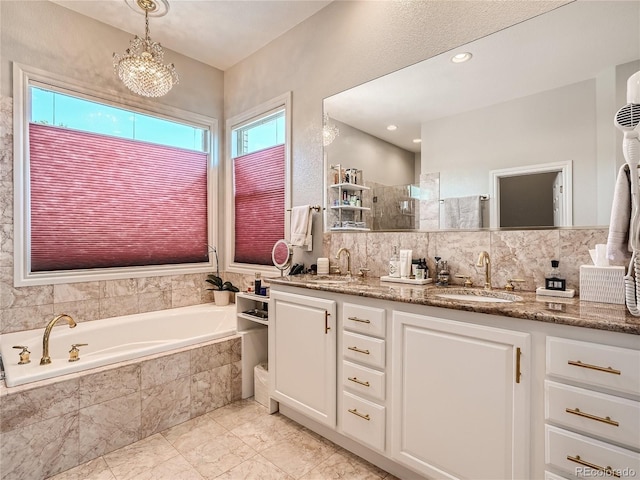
(302, 354)
(460, 398)
(592, 409)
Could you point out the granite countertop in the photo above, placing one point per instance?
(566, 311)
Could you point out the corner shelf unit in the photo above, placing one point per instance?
(355, 212)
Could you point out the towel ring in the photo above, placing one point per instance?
(281, 255)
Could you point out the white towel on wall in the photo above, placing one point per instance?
(463, 212)
(618, 239)
(301, 226)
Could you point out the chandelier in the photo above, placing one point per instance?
(142, 67)
(329, 131)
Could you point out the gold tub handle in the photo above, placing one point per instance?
(578, 363)
(607, 420)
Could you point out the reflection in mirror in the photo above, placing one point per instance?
(281, 255)
(542, 92)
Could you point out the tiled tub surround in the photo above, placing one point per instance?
(529, 306)
(114, 340)
(50, 426)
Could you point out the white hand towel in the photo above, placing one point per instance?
(301, 226)
(451, 213)
(618, 240)
(470, 212)
(463, 212)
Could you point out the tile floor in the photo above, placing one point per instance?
(238, 441)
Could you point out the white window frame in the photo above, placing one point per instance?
(23, 77)
(237, 121)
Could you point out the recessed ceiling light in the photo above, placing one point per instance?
(391, 128)
(417, 140)
(461, 57)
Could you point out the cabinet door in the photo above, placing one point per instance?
(302, 354)
(460, 398)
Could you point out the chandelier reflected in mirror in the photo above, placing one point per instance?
(329, 131)
(142, 68)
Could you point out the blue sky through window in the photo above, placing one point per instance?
(57, 109)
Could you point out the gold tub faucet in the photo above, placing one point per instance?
(45, 360)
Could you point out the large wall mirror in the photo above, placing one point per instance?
(519, 135)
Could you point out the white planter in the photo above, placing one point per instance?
(221, 297)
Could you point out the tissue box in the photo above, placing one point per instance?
(602, 284)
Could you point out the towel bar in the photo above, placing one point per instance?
(317, 208)
(482, 198)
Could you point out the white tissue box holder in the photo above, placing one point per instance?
(602, 284)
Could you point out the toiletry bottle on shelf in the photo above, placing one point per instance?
(554, 280)
(437, 269)
(394, 263)
(257, 283)
(425, 267)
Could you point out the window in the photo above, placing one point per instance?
(258, 172)
(105, 190)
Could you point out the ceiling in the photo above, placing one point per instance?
(573, 43)
(216, 32)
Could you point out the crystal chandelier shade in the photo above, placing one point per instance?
(329, 131)
(142, 67)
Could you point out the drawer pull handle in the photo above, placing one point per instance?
(356, 319)
(356, 349)
(607, 420)
(361, 415)
(608, 470)
(359, 382)
(578, 363)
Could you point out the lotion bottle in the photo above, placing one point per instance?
(394, 263)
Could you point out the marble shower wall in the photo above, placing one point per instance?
(517, 254)
(51, 426)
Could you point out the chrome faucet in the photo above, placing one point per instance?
(46, 359)
(345, 250)
(484, 259)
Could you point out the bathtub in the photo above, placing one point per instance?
(114, 340)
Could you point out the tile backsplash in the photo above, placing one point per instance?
(515, 254)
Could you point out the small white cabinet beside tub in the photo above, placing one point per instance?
(460, 398)
(302, 354)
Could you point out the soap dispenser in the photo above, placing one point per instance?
(554, 280)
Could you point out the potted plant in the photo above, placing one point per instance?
(221, 289)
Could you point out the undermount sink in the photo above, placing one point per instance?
(328, 280)
(485, 296)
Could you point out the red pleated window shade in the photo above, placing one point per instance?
(259, 204)
(99, 201)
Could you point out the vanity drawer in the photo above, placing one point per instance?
(367, 350)
(606, 416)
(367, 320)
(363, 380)
(584, 456)
(594, 364)
(363, 420)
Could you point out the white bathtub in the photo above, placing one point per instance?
(113, 340)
